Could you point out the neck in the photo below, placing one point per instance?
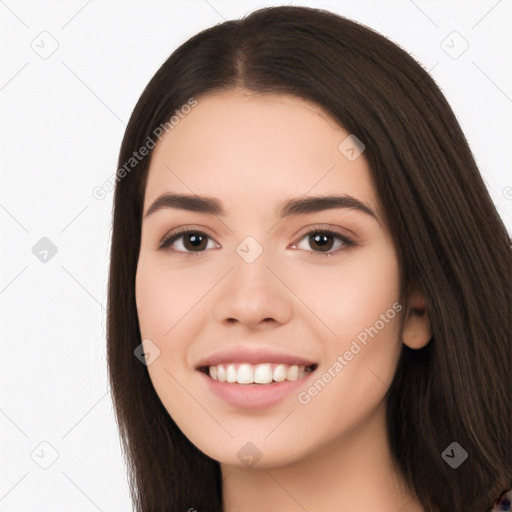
(355, 472)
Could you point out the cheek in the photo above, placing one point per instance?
(351, 296)
(166, 316)
(360, 305)
(164, 299)
(172, 310)
(371, 291)
(152, 299)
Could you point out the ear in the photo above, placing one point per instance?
(416, 331)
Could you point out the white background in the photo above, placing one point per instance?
(62, 120)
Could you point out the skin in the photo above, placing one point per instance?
(252, 152)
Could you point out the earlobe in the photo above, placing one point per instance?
(417, 331)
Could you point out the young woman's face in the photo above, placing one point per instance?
(268, 284)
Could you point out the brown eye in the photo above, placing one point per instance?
(321, 242)
(190, 240)
(194, 241)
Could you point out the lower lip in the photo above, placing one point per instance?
(254, 396)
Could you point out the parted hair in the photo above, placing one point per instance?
(449, 238)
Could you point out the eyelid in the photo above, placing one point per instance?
(327, 228)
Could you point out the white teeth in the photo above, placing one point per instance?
(293, 372)
(264, 373)
(244, 374)
(280, 372)
(231, 373)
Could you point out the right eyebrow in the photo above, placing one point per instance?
(192, 203)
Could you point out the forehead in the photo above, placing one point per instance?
(256, 149)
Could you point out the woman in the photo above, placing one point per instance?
(308, 263)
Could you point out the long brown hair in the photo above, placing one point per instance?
(449, 238)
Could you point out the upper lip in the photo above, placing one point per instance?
(252, 355)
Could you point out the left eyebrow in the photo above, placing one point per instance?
(312, 204)
(294, 206)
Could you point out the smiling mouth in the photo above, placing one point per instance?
(264, 373)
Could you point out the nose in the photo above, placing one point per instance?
(253, 295)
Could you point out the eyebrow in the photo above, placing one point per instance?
(294, 206)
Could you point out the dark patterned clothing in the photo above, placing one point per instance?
(504, 503)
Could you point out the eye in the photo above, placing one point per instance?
(193, 241)
(321, 241)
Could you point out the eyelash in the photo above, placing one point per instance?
(179, 233)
